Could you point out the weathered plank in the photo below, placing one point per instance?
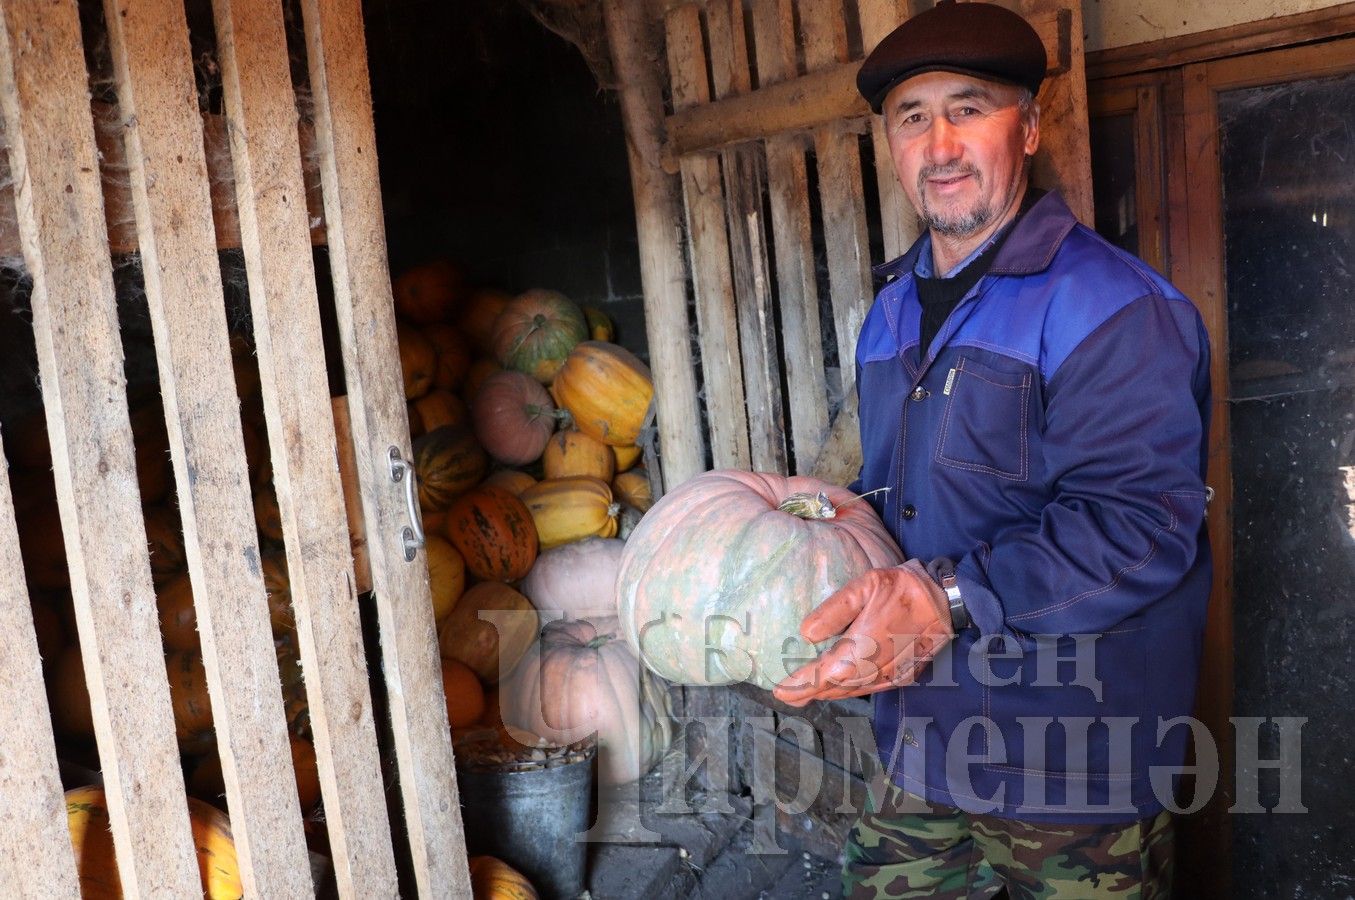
(44, 96)
(157, 98)
(33, 832)
(1064, 160)
(270, 196)
(797, 287)
(898, 221)
(657, 209)
(377, 415)
(744, 171)
(841, 198)
(717, 322)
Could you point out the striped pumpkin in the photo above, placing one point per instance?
(571, 509)
(536, 331)
(607, 390)
(448, 461)
(494, 532)
(494, 879)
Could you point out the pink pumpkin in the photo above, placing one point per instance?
(514, 418)
(577, 579)
(716, 579)
(584, 680)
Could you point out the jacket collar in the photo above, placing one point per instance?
(1030, 248)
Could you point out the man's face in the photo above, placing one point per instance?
(959, 146)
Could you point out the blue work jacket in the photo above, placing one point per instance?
(1052, 442)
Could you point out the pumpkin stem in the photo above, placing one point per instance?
(613, 510)
(818, 506)
(600, 640)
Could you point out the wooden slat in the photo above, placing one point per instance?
(270, 196)
(745, 176)
(797, 288)
(157, 97)
(717, 322)
(33, 833)
(1064, 160)
(44, 95)
(841, 197)
(377, 416)
(898, 220)
(634, 48)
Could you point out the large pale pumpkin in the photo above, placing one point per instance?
(448, 462)
(514, 417)
(607, 390)
(571, 452)
(571, 509)
(715, 579)
(494, 645)
(585, 680)
(536, 331)
(576, 579)
(494, 532)
(97, 868)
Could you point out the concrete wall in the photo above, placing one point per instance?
(1118, 23)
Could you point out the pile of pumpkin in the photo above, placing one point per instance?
(526, 419)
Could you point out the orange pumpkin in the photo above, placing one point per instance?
(154, 472)
(464, 693)
(178, 618)
(514, 417)
(277, 585)
(633, 487)
(92, 841)
(446, 575)
(494, 879)
(69, 696)
(477, 315)
(571, 509)
(627, 456)
(491, 647)
(494, 532)
(266, 512)
(571, 452)
(536, 331)
(448, 461)
(207, 783)
(607, 390)
(436, 409)
(453, 355)
(165, 540)
(191, 702)
(476, 375)
(418, 360)
(514, 481)
(600, 327)
(428, 293)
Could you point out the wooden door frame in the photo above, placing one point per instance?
(1142, 97)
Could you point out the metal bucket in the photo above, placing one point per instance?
(531, 819)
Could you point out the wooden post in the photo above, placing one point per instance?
(34, 836)
(157, 98)
(44, 96)
(657, 217)
(274, 231)
(709, 242)
(745, 176)
(898, 220)
(346, 138)
(774, 35)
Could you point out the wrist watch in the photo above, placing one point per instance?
(942, 571)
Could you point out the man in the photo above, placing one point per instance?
(1035, 401)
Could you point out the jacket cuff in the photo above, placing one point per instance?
(985, 610)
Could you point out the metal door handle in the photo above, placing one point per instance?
(411, 536)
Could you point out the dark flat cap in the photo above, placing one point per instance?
(979, 39)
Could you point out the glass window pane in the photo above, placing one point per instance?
(1289, 220)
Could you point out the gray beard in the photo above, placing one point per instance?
(955, 226)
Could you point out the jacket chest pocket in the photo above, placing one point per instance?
(986, 423)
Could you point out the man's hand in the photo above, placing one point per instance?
(892, 622)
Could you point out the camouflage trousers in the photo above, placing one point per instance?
(912, 848)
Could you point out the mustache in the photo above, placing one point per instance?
(947, 171)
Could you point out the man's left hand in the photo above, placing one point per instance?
(892, 622)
